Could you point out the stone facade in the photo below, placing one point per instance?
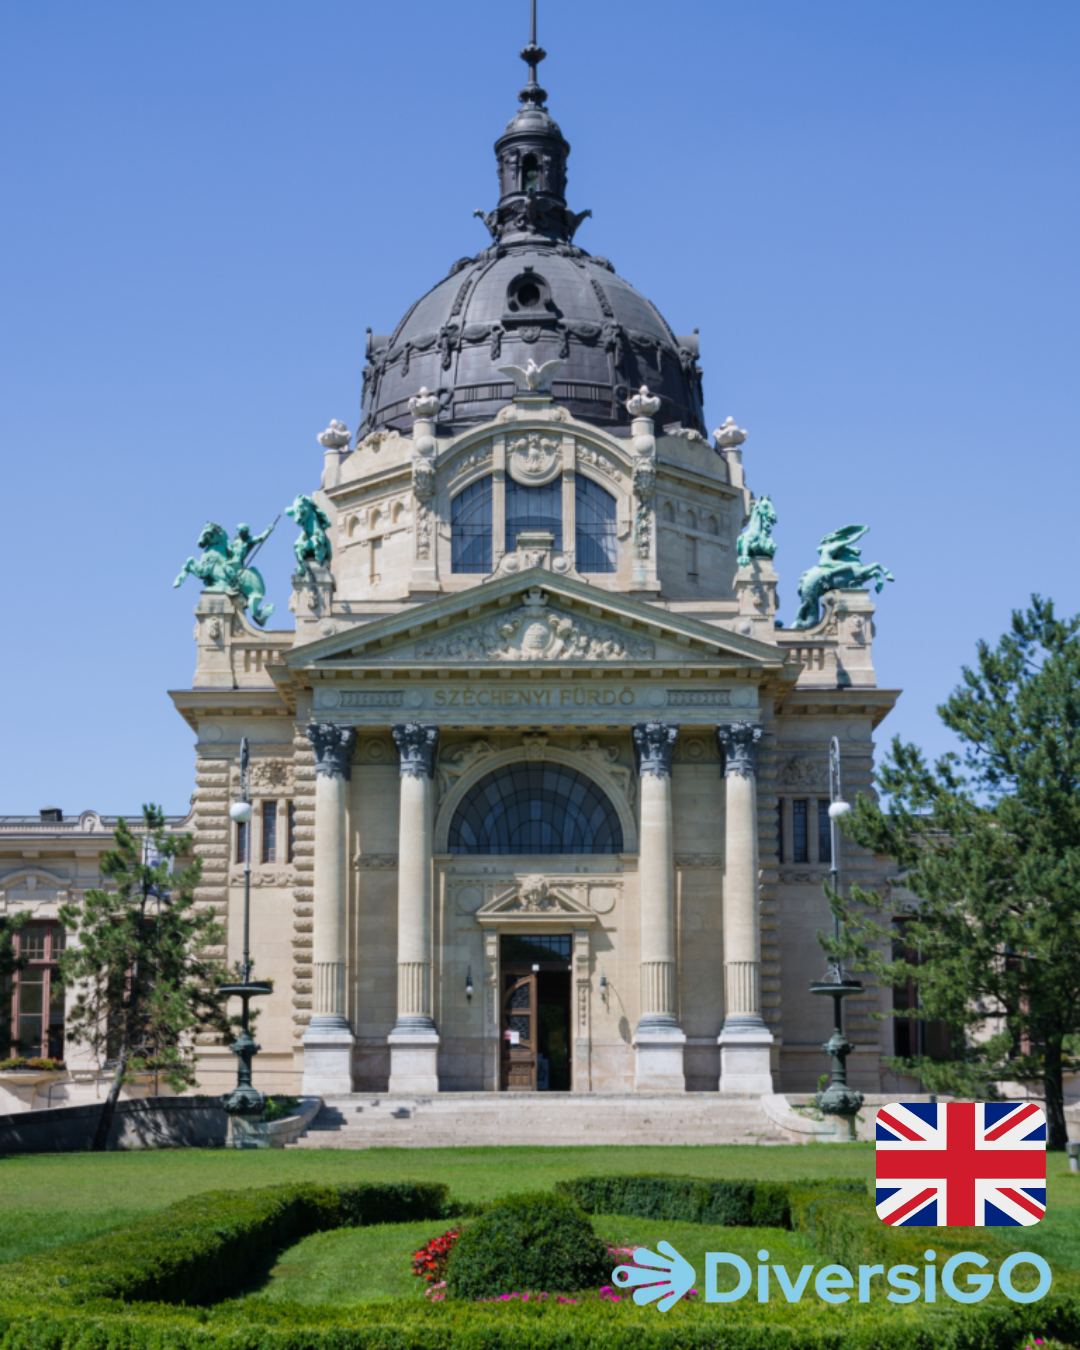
(688, 948)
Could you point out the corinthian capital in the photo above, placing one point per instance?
(333, 746)
(653, 744)
(738, 741)
(416, 745)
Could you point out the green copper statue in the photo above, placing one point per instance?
(838, 569)
(222, 567)
(313, 546)
(756, 540)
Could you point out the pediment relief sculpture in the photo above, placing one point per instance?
(535, 897)
(536, 632)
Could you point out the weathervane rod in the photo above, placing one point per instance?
(532, 36)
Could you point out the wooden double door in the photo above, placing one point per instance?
(536, 1028)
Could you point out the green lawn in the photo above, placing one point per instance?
(50, 1200)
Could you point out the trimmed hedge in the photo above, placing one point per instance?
(209, 1246)
(527, 1242)
(516, 1326)
(729, 1204)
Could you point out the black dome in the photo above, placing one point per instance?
(535, 294)
(532, 301)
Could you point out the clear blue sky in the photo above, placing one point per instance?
(869, 209)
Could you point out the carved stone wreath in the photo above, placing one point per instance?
(536, 633)
(803, 773)
(270, 776)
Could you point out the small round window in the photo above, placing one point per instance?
(528, 292)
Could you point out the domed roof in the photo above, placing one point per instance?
(532, 294)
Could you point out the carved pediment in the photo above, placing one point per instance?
(534, 899)
(535, 631)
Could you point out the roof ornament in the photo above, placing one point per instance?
(728, 437)
(643, 404)
(533, 379)
(425, 404)
(336, 436)
(532, 55)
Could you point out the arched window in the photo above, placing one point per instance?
(595, 511)
(530, 174)
(669, 511)
(535, 808)
(712, 526)
(533, 508)
(470, 528)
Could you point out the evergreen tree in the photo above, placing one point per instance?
(143, 988)
(989, 844)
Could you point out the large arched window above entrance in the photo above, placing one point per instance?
(535, 808)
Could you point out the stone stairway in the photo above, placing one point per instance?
(455, 1119)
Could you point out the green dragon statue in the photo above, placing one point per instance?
(756, 540)
(222, 568)
(313, 545)
(837, 569)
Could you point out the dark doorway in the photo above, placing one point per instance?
(535, 972)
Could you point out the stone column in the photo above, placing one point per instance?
(658, 1040)
(414, 1041)
(328, 1041)
(745, 1042)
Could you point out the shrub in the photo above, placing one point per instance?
(277, 1108)
(742, 1204)
(538, 1242)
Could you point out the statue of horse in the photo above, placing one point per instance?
(756, 540)
(221, 568)
(313, 546)
(838, 569)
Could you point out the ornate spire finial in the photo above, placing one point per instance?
(532, 55)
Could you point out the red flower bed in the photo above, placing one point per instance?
(430, 1261)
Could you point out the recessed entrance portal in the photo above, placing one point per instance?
(535, 975)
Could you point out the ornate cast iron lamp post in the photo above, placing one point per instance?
(244, 1100)
(837, 1099)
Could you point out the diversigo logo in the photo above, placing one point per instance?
(952, 1165)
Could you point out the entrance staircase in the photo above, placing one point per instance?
(457, 1119)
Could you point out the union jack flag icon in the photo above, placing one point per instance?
(961, 1164)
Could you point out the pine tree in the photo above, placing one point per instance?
(143, 986)
(989, 844)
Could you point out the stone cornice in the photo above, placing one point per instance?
(863, 702)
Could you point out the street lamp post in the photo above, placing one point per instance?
(837, 1099)
(245, 1100)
